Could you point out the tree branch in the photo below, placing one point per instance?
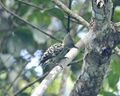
(19, 74)
(72, 14)
(21, 19)
(30, 4)
(99, 42)
(39, 91)
(99, 45)
(46, 82)
(98, 51)
(30, 84)
(63, 82)
(43, 9)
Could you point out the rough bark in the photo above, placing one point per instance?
(98, 51)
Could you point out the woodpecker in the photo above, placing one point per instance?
(57, 51)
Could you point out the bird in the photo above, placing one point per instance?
(57, 51)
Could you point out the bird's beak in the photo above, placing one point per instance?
(75, 47)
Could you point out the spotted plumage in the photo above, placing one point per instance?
(57, 51)
(51, 52)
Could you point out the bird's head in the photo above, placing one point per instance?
(68, 41)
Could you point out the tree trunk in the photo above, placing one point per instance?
(98, 51)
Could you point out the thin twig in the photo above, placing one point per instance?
(37, 7)
(39, 91)
(44, 84)
(11, 84)
(72, 14)
(44, 9)
(65, 72)
(33, 26)
(30, 4)
(30, 84)
(68, 23)
(76, 61)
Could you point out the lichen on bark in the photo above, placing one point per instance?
(97, 52)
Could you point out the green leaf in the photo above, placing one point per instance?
(24, 33)
(41, 1)
(108, 94)
(115, 64)
(22, 39)
(117, 15)
(23, 9)
(113, 79)
(39, 18)
(3, 75)
(56, 12)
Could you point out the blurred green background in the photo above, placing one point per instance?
(21, 46)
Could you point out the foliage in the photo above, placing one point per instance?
(16, 35)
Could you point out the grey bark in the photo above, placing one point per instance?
(98, 51)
